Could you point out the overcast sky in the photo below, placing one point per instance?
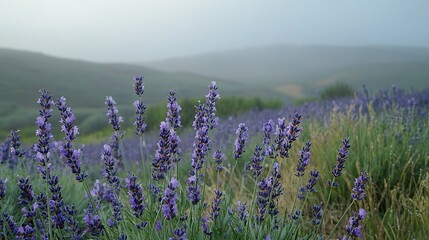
(139, 30)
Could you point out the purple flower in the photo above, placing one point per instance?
(287, 134)
(304, 159)
(162, 161)
(359, 186)
(26, 194)
(242, 213)
(158, 226)
(136, 196)
(109, 167)
(206, 229)
(179, 234)
(265, 188)
(193, 189)
(13, 227)
(201, 147)
(217, 201)
(56, 203)
(112, 113)
(67, 150)
(3, 187)
(43, 133)
(139, 122)
(353, 227)
(27, 233)
(93, 224)
(173, 111)
(169, 205)
(240, 140)
(138, 85)
(15, 148)
(343, 153)
(210, 107)
(174, 141)
(218, 157)
(257, 159)
(268, 130)
(317, 212)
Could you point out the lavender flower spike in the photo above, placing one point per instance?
(353, 227)
(43, 132)
(304, 159)
(343, 153)
(3, 187)
(359, 186)
(70, 130)
(15, 149)
(112, 113)
(210, 107)
(173, 111)
(162, 161)
(240, 140)
(179, 234)
(136, 196)
(26, 194)
(138, 85)
(169, 205)
(139, 123)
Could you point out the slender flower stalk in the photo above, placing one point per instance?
(67, 150)
(3, 188)
(136, 196)
(240, 141)
(268, 131)
(162, 161)
(43, 133)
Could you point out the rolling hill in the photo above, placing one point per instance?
(301, 70)
(86, 85)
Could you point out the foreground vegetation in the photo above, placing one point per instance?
(350, 169)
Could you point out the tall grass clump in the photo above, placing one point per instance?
(358, 170)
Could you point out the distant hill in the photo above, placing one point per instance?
(86, 85)
(297, 70)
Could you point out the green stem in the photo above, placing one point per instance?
(326, 205)
(341, 218)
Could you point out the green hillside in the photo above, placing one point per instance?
(86, 85)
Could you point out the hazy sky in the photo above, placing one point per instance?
(139, 30)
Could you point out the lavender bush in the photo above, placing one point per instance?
(354, 184)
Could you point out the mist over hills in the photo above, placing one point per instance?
(309, 68)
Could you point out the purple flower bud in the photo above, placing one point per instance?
(15, 149)
(218, 157)
(3, 187)
(317, 213)
(169, 205)
(139, 122)
(343, 153)
(179, 234)
(193, 189)
(217, 201)
(136, 196)
(162, 162)
(138, 85)
(173, 111)
(26, 194)
(240, 140)
(93, 224)
(206, 229)
(257, 159)
(353, 226)
(242, 213)
(359, 186)
(112, 113)
(304, 159)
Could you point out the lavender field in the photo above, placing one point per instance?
(349, 168)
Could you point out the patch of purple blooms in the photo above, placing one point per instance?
(3, 188)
